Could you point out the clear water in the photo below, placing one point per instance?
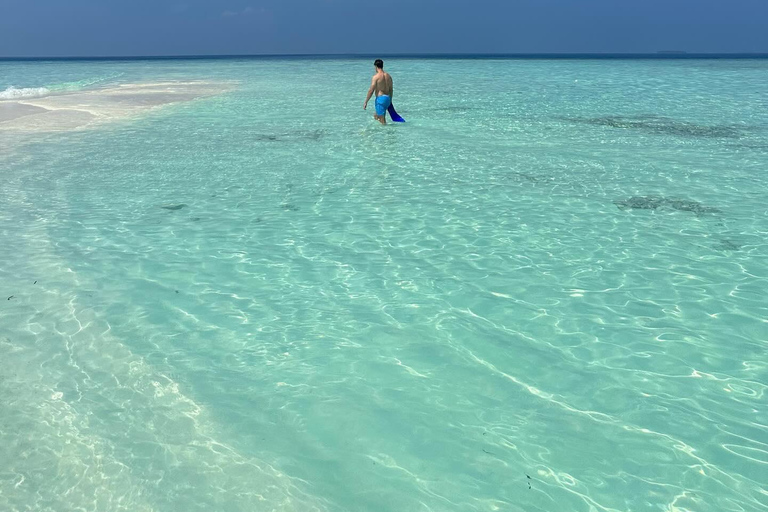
(547, 291)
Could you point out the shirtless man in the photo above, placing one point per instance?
(381, 84)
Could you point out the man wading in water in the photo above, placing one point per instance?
(381, 84)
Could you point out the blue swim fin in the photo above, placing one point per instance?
(394, 115)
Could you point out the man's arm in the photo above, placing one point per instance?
(370, 93)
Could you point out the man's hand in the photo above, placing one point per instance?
(365, 106)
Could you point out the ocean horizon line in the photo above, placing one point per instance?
(661, 55)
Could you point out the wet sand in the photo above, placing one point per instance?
(83, 109)
(10, 110)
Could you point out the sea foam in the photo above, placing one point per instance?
(12, 93)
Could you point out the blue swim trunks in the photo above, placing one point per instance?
(382, 104)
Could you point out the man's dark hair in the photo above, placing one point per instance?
(379, 63)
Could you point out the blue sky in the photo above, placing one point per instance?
(201, 27)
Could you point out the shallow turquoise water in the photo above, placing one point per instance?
(546, 291)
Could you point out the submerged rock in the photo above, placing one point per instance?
(299, 135)
(691, 206)
(640, 203)
(656, 202)
(174, 207)
(661, 125)
(728, 245)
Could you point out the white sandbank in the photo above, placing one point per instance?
(87, 108)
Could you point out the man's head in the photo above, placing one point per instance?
(379, 64)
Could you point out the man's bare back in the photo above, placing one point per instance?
(382, 83)
(382, 87)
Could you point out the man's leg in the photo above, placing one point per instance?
(381, 113)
